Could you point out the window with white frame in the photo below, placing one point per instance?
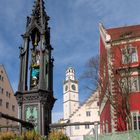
(130, 84)
(77, 127)
(129, 55)
(88, 113)
(135, 120)
(126, 85)
(134, 83)
(87, 126)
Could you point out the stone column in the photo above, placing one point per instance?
(24, 64)
(96, 130)
(42, 119)
(20, 88)
(20, 117)
(42, 84)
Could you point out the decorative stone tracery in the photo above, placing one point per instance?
(35, 89)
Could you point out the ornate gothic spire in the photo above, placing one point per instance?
(38, 16)
(35, 89)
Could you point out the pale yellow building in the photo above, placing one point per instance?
(8, 102)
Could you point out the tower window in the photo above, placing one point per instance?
(73, 87)
(66, 88)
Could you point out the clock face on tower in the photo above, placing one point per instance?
(73, 87)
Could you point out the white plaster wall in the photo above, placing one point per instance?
(80, 116)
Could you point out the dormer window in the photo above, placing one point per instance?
(129, 55)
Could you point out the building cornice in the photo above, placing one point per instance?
(125, 41)
(106, 38)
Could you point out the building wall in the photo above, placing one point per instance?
(82, 115)
(8, 103)
(135, 101)
(105, 110)
(103, 70)
(105, 118)
(70, 99)
(118, 54)
(113, 42)
(134, 72)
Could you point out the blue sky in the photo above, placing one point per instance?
(74, 34)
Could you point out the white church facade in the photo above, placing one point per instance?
(76, 113)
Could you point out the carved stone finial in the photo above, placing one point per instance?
(28, 21)
(38, 14)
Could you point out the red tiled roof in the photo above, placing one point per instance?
(124, 32)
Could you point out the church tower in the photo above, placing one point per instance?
(70, 93)
(35, 89)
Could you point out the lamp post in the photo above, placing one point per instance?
(96, 130)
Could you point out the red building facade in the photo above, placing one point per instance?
(119, 75)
